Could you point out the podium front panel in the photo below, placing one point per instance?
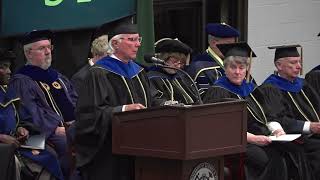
(215, 131)
(153, 133)
(182, 133)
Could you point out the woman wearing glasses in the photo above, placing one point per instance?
(169, 82)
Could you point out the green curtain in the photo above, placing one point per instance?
(146, 28)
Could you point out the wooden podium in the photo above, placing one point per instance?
(181, 143)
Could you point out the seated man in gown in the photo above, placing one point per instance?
(295, 100)
(264, 159)
(206, 68)
(15, 129)
(45, 93)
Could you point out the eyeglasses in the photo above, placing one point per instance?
(43, 48)
(174, 61)
(134, 39)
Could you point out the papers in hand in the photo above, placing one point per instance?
(35, 142)
(286, 137)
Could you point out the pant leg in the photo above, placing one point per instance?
(296, 159)
(312, 149)
(42, 174)
(60, 146)
(264, 163)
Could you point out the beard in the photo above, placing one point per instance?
(47, 63)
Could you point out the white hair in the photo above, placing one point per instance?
(26, 50)
(118, 38)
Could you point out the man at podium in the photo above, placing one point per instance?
(264, 160)
(114, 84)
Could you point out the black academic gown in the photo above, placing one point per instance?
(182, 87)
(108, 87)
(275, 161)
(294, 108)
(313, 78)
(79, 76)
(298, 102)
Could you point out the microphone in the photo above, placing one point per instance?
(151, 59)
(160, 63)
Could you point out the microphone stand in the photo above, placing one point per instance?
(186, 74)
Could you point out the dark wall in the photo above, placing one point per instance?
(179, 19)
(72, 50)
(186, 19)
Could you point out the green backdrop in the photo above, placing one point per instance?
(20, 16)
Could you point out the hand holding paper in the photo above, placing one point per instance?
(35, 142)
(286, 137)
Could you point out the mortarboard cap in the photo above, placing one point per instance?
(172, 45)
(222, 30)
(288, 51)
(241, 49)
(319, 34)
(6, 55)
(285, 51)
(36, 35)
(108, 27)
(124, 29)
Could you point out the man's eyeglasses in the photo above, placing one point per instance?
(135, 39)
(43, 48)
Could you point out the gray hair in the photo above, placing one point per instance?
(26, 49)
(100, 46)
(210, 38)
(237, 60)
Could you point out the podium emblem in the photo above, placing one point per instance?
(204, 171)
